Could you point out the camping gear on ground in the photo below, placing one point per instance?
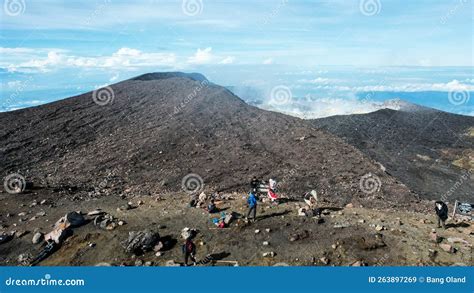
(49, 248)
(463, 209)
(4, 238)
(272, 195)
(311, 198)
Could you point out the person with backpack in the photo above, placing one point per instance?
(441, 210)
(252, 202)
(189, 251)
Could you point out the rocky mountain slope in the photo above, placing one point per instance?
(431, 151)
(144, 135)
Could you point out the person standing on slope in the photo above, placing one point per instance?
(252, 202)
(189, 250)
(441, 210)
(254, 184)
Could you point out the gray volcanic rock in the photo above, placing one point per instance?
(430, 151)
(160, 127)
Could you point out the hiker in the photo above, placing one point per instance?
(211, 208)
(193, 202)
(442, 212)
(189, 251)
(252, 202)
(272, 185)
(254, 184)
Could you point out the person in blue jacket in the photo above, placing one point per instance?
(252, 202)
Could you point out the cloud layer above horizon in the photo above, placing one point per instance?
(325, 49)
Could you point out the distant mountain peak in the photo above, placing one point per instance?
(398, 104)
(165, 75)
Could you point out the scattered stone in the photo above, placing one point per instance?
(159, 246)
(140, 202)
(349, 206)
(281, 264)
(121, 223)
(158, 254)
(37, 238)
(21, 233)
(188, 232)
(148, 263)
(362, 221)
(359, 263)
(380, 228)
(43, 202)
(25, 258)
(341, 225)
(324, 260)
(334, 246)
(432, 253)
(125, 207)
(57, 235)
(103, 264)
(257, 231)
(95, 212)
(269, 254)
(22, 214)
(41, 214)
(171, 263)
(268, 230)
(447, 247)
(457, 240)
(434, 237)
(265, 243)
(140, 241)
(138, 262)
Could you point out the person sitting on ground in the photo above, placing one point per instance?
(212, 208)
(252, 202)
(189, 251)
(441, 210)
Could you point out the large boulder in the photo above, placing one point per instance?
(71, 219)
(139, 242)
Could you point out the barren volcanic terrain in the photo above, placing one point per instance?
(118, 156)
(431, 151)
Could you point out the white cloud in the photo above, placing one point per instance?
(453, 85)
(121, 59)
(268, 61)
(114, 78)
(227, 60)
(14, 83)
(318, 80)
(201, 56)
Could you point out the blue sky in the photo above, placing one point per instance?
(328, 49)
